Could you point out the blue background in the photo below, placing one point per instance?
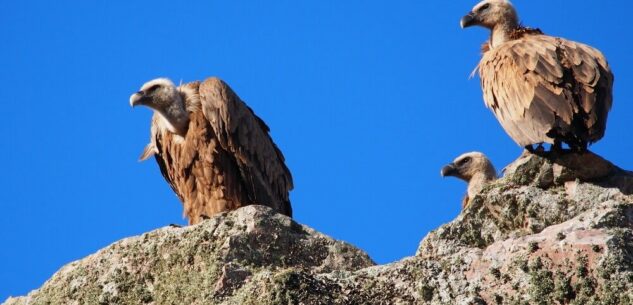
(367, 100)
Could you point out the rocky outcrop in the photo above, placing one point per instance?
(554, 230)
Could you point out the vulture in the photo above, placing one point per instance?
(214, 152)
(542, 89)
(475, 169)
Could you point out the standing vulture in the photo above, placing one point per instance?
(214, 152)
(542, 89)
(474, 168)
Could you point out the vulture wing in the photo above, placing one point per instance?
(150, 148)
(244, 135)
(543, 88)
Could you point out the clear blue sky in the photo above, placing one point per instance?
(367, 100)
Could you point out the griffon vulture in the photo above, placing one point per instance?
(475, 169)
(542, 89)
(214, 152)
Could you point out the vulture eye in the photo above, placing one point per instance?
(152, 88)
(464, 161)
(484, 7)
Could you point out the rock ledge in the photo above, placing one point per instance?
(550, 232)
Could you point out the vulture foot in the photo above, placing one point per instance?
(579, 148)
(539, 150)
(557, 147)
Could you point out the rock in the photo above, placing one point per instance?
(200, 264)
(557, 168)
(550, 232)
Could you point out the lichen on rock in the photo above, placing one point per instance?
(553, 230)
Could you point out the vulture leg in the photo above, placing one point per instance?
(583, 147)
(580, 147)
(540, 148)
(557, 146)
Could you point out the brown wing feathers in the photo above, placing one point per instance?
(226, 159)
(546, 89)
(247, 137)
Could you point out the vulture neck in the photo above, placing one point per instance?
(176, 118)
(502, 32)
(477, 183)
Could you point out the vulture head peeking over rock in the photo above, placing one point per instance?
(475, 169)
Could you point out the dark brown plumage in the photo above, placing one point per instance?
(474, 168)
(542, 89)
(214, 152)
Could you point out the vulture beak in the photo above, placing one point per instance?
(449, 170)
(468, 20)
(138, 98)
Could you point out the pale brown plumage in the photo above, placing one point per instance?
(221, 157)
(542, 89)
(474, 168)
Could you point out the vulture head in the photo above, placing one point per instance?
(469, 166)
(474, 168)
(491, 14)
(162, 96)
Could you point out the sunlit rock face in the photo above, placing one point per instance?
(553, 230)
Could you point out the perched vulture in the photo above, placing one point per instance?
(542, 89)
(214, 152)
(475, 169)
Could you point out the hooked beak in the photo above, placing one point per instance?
(468, 20)
(138, 98)
(449, 170)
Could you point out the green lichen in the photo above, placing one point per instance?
(498, 299)
(426, 293)
(563, 291)
(532, 246)
(541, 283)
(495, 272)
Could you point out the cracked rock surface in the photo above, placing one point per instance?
(555, 230)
